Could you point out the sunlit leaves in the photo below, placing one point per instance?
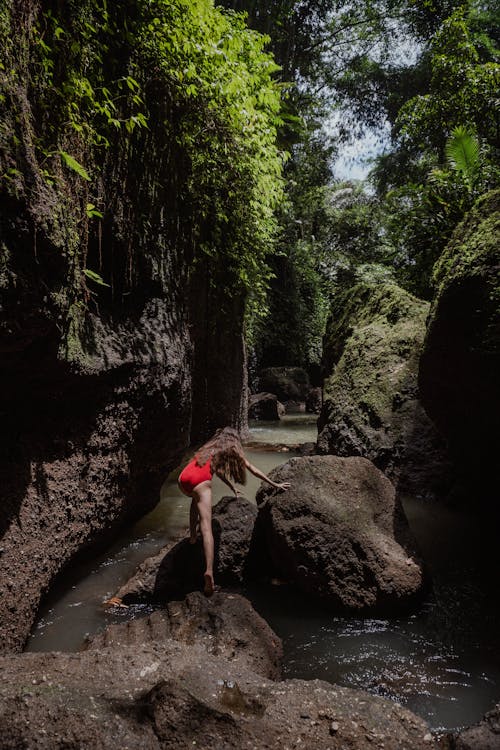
(73, 164)
(463, 154)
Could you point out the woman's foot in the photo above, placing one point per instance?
(209, 586)
(115, 601)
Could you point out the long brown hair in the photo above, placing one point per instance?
(225, 454)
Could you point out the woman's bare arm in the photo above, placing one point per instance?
(260, 475)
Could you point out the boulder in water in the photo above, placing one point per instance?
(178, 568)
(340, 534)
(265, 406)
(287, 383)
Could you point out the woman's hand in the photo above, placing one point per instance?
(283, 486)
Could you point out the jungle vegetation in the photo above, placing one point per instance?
(244, 108)
(427, 70)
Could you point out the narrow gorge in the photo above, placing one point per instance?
(180, 252)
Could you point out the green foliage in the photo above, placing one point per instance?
(74, 165)
(462, 90)
(445, 148)
(463, 154)
(290, 332)
(95, 277)
(109, 92)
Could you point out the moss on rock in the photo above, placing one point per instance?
(371, 406)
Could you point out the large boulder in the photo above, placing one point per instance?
(178, 568)
(169, 696)
(339, 534)
(265, 406)
(287, 383)
(224, 625)
(371, 407)
(460, 363)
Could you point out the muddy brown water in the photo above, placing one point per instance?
(442, 662)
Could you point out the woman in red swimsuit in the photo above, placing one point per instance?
(221, 455)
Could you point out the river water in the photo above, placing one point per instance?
(442, 662)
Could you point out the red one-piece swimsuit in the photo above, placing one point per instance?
(191, 476)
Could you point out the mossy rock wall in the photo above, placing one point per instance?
(460, 365)
(121, 299)
(371, 407)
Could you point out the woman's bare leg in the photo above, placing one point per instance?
(193, 520)
(203, 497)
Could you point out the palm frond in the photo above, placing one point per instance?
(463, 153)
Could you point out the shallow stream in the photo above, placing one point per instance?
(442, 662)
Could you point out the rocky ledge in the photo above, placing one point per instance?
(168, 686)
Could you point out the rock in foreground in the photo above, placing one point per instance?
(169, 696)
(225, 625)
(178, 568)
(482, 736)
(340, 534)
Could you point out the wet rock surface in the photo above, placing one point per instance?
(265, 406)
(460, 363)
(84, 451)
(224, 625)
(169, 695)
(178, 568)
(371, 402)
(483, 736)
(340, 534)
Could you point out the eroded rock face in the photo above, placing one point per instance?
(224, 625)
(178, 568)
(84, 450)
(112, 337)
(460, 363)
(371, 407)
(339, 533)
(168, 695)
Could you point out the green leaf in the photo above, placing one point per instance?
(93, 276)
(72, 163)
(92, 211)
